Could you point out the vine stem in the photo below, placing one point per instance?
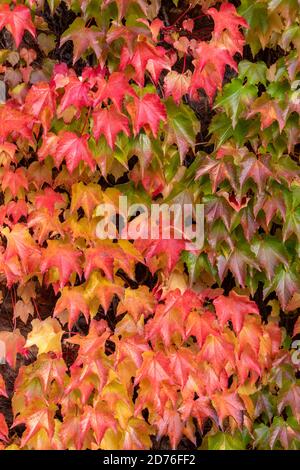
(86, 120)
(180, 17)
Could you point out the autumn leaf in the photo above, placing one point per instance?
(228, 404)
(16, 21)
(74, 149)
(147, 112)
(109, 122)
(49, 198)
(37, 416)
(12, 343)
(86, 196)
(177, 85)
(63, 257)
(40, 103)
(72, 300)
(15, 180)
(235, 308)
(46, 335)
(83, 39)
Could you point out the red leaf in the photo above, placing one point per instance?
(14, 180)
(110, 122)
(235, 307)
(147, 112)
(74, 149)
(75, 94)
(64, 257)
(16, 21)
(228, 404)
(72, 300)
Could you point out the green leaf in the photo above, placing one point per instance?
(182, 127)
(254, 72)
(224, 441)
(235, 98)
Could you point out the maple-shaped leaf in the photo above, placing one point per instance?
(102, 256)
(16, 21)
(38, 415)
(200, 325)
(83, 39)
(168, 250)
(92, 342)
(14, 180)
(210, 64)
(270, 111)
(44, 224)
(3, 429)
(3, 391)
(182, 364)
(238, 262)
(74, 149)
(48, 148)
(200, 408)
(105, 291)
(99, 419)
(171, 425)
(256, 168)
(147, 112)
(144, 56)
(75, 94)
(22, 310)
(137, 302)
(132, 348)
(87, 196)
(46, 335)
(17, 209)
(109, 122)
(248, 366)
(48, 368)
(156, 368)
(177, 85)
(20, 243)
(236, 97)
(250, 334)
(217, 351)
(182, 127)
(285, 283)
(72, 300)
(137, 435)
(290, 397)
(235, 308)
(227, 18)
(63, 257)
(269, 252)
(12, 343)
(40, 103)
(228, 404)
(49, 198)
(218, 171)
(284, 432)
(114, 89)
(13, 121)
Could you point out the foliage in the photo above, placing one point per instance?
(135, 345)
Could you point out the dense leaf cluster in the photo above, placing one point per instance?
(149, 343)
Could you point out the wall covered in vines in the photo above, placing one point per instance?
(149, 343)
